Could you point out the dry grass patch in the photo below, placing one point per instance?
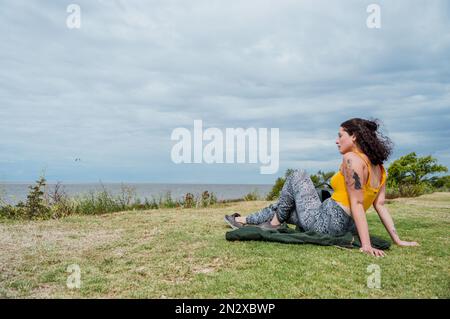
(169, 253)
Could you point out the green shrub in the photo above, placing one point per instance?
(35, 207)
(60, 203)
(395, 190)
(205, 198)
(11, 212)
(441, 183)
(147, 204)
(413, 170)
(251, 196)
(127, 196)
(276, 189)
(409, 176)
(62, 208)
(212, 199)
(167, 201)
(189, 200)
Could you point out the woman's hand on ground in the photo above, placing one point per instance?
(403, 243)
(372, 251)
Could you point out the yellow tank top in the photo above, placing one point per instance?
(370, 193)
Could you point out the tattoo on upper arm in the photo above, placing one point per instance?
(347, 171)
(357, 181)
(352, 178)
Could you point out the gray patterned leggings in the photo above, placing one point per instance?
(300, 204)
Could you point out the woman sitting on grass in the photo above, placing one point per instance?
(359, 183)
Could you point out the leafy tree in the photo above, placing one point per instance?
(35, 206)
(440, 182)
(410, 169)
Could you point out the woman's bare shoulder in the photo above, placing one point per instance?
(351, 158)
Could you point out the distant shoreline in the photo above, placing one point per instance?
(125, 183)
(13, 192)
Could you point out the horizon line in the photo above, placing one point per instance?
(130, 182)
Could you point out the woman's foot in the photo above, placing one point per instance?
(231, 220)
(240, 219)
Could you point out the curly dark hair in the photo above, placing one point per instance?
(370, 140)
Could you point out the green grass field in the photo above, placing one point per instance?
(170, 253)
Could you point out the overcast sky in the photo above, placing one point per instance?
(112, 92)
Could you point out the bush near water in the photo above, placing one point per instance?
(44, 203)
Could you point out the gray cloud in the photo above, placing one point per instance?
(112, 92)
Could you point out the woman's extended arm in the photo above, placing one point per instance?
(353, 173)
(386, 219)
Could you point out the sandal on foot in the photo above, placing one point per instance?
(231, 221)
